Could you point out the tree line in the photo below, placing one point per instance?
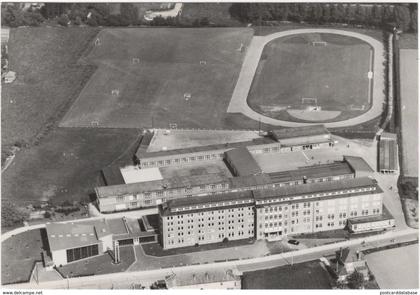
(403, 16)
(94, 14)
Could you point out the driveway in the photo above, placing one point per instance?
(238, 103)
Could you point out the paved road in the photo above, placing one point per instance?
(109, 281)
(238, 103)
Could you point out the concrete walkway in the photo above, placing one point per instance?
(238, 103)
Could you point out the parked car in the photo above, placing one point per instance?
(293, 242)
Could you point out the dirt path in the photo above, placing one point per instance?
(238, 103)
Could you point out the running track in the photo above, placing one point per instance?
(238, 102)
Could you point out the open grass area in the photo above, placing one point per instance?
(99, 265)
(155, 249)
(18, 256)
(152, 91)
(396, 268)
(308, 275)
(65, 165)
(291, 68)
(48, 80)
(408, 41)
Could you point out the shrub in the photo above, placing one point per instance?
(63, 20)
(11, 215)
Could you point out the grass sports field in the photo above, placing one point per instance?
(182, 76)
(307, 275)
(48, 79)
(66, 164)
(396, 268)
(292, 68)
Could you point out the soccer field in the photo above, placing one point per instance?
(182, 76)
(332, 75)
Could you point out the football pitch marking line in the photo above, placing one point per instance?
(238, 102)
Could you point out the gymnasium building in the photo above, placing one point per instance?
(74, 241)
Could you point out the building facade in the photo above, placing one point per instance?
(152, 193)
(315, 207)
(206, 220)
(270, 214)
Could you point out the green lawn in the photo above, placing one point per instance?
(18, 256)
(155, 249)
(66, 164)
(409, 41)
(48, 79)
(291, 68)
(99, 265)
(307, 275)
(153, 90)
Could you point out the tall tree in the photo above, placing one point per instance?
(402, 17)
(356, 280)
(129, 13)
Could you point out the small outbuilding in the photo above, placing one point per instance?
(388, 153)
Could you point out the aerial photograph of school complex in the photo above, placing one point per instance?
(209, 145)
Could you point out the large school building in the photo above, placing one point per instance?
(273, 213)
(152, 193)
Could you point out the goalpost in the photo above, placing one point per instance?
(319, 43)
(312, 101)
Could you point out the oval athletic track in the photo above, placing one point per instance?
(239, 104)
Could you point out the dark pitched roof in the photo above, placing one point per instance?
(249, 181)
(112, 175)
(243, 162)
(388, 155)
(169, 206)
(311, 130)
(312, 188)
(145, 142)
(222, 147)
(157, 185)
(316, 171)
(358, 164)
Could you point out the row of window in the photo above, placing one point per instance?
(318, 195)
(82, 252)
(167, 162)
(213, 205)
